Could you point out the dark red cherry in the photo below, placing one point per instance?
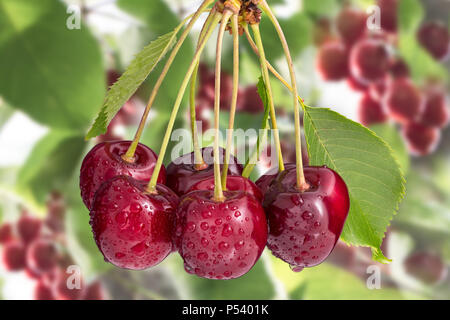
(332, 61)
(105, 161)
(388, 12)
(6, 233)
(266, 179)
(42, 256)
(421, 140)
(436, 112)
(351, 24)
(370, 111)
(133, 228)
(403, 101)
(369, 60)
(28, 227)
(252, 102)
(13, 256)
(43, 292)
(427, 267)
(94, 291)
(182, 174)
(399, 69)
(305, 226)
(435, 38)
(234, 183)
(220, 240)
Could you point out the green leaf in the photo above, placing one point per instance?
(130, 81)
(367, 165)
(390, 134)
(321, 8)
(410, 15)
(52, 73)
(51, 163)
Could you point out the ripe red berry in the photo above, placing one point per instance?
(252, 102)
(42, 256)
(370, 111)
(435, 38)
(182, 174)
(105, 161)
(43, 292)
(94, 291)
(13, 256)
(266, 179)
(29, 228)
(132, 227)
(351, 24)
(436, 112)
(305, 226)
(369, 60)
(399, 69)
(388, 10)
(67, 286)
(220, 240)
(6, 233)
(234, 183)
(421, 140)
(332, 61)
(427, 267)
(403, 101)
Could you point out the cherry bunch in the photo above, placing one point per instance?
(203, 205)
(369, 62)
(36, 247)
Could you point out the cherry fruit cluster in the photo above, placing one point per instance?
(36, 247)
(367, 59)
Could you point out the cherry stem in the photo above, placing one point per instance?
(235, 29)
(302, 185)
(152, 185)
(266, 77)
(129, 155)
(199, 163)
(218, 191)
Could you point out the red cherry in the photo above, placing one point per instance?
(370, 111)
(234, 183)
(435, 38)
(427, 267)
(182, 174)
(388, 10)
(305, 226)
(436, 113)
(378, 88)
(332, 61)
(399, 68)
(65, 286)
(42, 256)
(132, 227)
(252, 102)
(220, 240)
(43, 292)
(267, 178)
(94, 291)
(351, 24)
(369, 60)
(105, 161)
(403, 101)
(6, 233)
(29, 228)
(13, 256)
(421, 140)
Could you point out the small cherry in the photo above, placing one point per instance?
(65, 287)
(436, 112)
(351, 24)
(252, 102)
(106, 160)
(28, 227)
(369, 60)
(399, 68)
(42, 256)
(267, 178)
(220, 240)
(43, 292)
(435, 38)
(403, 101)
(370, 111)
(183, 173)
(305, 225)
(94, 291)
(421, 140)
(6, 233)
(234, 183)
(13, 256)
(332, 61)
(388, 14)
(132, 227)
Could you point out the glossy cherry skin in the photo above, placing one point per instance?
(182, 174)
(133, 228)
(105, 161)
(266, 179)
(220, 240)
(305, 226)
(234, 183)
